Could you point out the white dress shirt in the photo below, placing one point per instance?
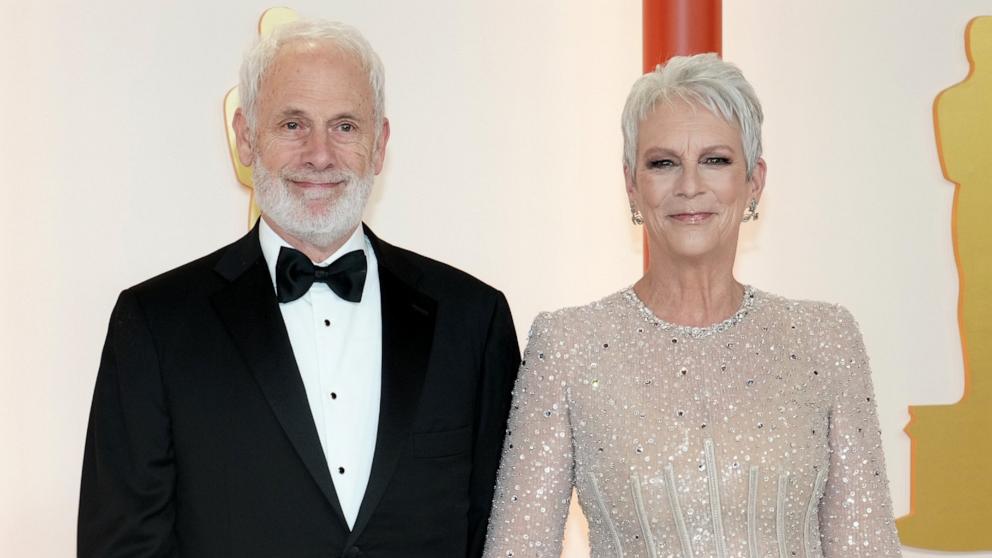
(338, 348)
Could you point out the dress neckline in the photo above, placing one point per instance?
(747, 304)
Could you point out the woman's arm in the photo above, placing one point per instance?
(536, 474)
(856, 510)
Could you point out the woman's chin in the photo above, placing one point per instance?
(692, 246)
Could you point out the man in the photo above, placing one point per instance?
(254, 404)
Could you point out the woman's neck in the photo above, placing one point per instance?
(690, 293)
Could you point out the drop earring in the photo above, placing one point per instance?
(635, 215)
(751, 213)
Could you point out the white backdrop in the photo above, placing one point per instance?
(504, 160)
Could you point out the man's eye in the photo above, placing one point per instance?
(292, 125)
(716, 161)
(346, 127)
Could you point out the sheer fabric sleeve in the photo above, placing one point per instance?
(536, 473)
(856, 510)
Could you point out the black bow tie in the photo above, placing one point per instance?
(295, 274)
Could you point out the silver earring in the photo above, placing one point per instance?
(635, 215)
(751, 213)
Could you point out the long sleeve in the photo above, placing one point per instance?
(126, 503)
(536, 474)
(499, 368)
(856, 510)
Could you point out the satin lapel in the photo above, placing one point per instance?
(407, 333)
(249, 309)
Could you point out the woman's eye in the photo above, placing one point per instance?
(660, 163)
(346, 127)
(716, 161)
(292, 126)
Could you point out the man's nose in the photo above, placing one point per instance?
(319, 151)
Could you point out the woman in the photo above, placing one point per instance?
(694, 415)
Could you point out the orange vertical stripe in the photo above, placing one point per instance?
(679, 27)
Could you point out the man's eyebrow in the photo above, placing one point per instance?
(344, 116)
(291, 111)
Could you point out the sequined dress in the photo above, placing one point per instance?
(756, 437)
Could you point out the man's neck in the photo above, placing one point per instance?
(316, 253)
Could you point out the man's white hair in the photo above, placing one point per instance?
(315, 32)
(702, 79)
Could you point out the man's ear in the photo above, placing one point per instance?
(243, 137)
(379, 153)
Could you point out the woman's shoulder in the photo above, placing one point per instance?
(812, 309)
(597, 309)
(814, 315)
(583, 319)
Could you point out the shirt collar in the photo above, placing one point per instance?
(271, 242)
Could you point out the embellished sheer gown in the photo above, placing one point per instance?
(756, 437)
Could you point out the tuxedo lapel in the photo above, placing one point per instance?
(249, 309)
(407, 333)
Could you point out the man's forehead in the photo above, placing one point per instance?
(306, 78)
(313, 50)
(323, 63)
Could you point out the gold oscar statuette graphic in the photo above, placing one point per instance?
(271, 18)
(951, 479)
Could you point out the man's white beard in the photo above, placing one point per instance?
(289, 209)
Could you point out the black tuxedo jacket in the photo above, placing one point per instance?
(201, 442)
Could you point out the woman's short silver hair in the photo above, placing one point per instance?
(260, 55)
(702, 79)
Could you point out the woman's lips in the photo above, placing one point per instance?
(692, 218)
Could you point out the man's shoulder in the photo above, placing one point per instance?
(194, 276)
(434, 277)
